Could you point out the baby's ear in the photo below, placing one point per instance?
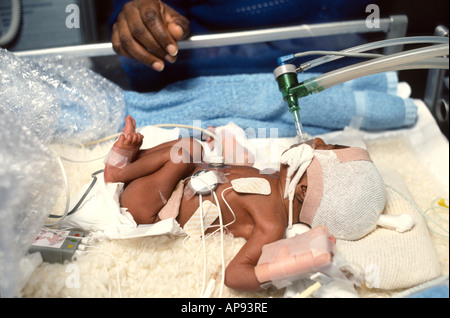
(301, 188)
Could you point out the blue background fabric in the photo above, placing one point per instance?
(252, 101)
(441, 291)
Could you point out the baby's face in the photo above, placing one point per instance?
(319, 144)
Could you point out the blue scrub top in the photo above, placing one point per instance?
(216, 16)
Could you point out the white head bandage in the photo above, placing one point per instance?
(298, 159)
(345, 190)
(345, 193)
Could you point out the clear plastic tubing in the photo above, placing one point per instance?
(376, 45)
(434, 63)
(391, 62)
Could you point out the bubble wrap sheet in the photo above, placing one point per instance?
(60, 100)
(30, 182)
(41, 102)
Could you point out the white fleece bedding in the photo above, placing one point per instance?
(169, 266)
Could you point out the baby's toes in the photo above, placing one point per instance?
(140, 138)
(128, 139)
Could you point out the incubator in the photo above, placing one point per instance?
(292, 90)
(431, 57)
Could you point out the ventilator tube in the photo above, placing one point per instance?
(388, 63)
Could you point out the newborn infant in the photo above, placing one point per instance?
(317, 184)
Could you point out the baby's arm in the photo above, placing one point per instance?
(240, 273)
(292, 258)
(289, 259)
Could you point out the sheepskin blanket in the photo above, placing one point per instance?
(172, 266)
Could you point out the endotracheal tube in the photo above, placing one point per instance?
(430, 57)
(286, 76)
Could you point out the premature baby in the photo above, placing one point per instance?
(317, 184)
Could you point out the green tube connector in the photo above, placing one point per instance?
(290, 88)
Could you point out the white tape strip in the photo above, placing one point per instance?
(118, 160)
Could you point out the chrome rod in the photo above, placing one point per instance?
(230, 38)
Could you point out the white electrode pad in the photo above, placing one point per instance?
(251, 186)
(210, 214)
(203, 182)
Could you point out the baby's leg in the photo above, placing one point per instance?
(143, 196)
(149, 161)
(149, 175)
(190, 145)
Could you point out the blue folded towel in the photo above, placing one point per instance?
(254, 102)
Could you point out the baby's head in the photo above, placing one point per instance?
(345, 192)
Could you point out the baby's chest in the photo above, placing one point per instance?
(236, 205)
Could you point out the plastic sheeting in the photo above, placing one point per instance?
(41, 102)
(29, 186)
(60, 100)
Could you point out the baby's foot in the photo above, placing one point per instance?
(130, 125)
(129, 143)
(123, 152)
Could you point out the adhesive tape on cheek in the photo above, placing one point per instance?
(118, 160)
